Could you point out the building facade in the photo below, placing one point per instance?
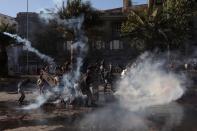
(4, 19)
(109, 46)
(12, 51)
(112, 47)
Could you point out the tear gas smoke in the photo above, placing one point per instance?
(79, 44)
(145, 96)
(146, 84)
(40, 100)
(28, 47)
(73, 77)
(116, 118)
(69, 80)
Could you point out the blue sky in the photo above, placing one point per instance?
(11, 7)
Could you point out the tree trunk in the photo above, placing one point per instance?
(3, 61)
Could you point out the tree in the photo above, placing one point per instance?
(5, 41)
(163, 28)
(144, 27)
(178, 15)
(75, 8)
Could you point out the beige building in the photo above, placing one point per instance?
(12, 51)
(4, 19)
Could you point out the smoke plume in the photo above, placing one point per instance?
(40, 100)
(70, 80)
(146, 83)
(28, 47)
(116, 118)
(78, 45)
(145, 99)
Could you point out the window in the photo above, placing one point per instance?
(116, 44)
(116, 27)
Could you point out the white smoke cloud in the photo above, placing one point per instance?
(146, 84)
(74, 23)
(70, 79)
(145, 96)
(116, 118)
(28, 47)
(40, 100)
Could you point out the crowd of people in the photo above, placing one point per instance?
(85, 90)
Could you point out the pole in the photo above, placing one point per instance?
(168, 53)
(27, 35)
(168, 41)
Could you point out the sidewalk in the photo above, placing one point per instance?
(16, 78)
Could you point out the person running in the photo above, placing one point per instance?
(21, 86)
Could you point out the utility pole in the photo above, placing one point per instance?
(168, 41)
(27, 35)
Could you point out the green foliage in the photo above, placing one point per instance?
(75, 8)
(163, 27)
(178, 14)
(92, 21)
(4, 27)
(144, 27)
(53, 35)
